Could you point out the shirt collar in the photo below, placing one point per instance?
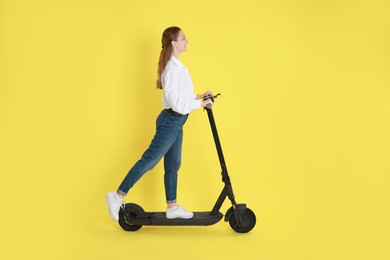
(177, 62)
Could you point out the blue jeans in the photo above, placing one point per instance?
(167, 142)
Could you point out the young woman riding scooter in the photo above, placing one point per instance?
(178, 101)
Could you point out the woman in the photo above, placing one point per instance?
(178, 101)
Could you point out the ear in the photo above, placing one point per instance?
(174, 43)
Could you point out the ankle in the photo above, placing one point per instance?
(171, 205)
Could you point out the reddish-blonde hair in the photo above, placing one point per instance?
(170, 34)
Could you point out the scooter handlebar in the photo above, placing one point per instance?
(208, 106)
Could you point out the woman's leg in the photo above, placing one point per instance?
(168, 127)
(166, 134)
(172, 161)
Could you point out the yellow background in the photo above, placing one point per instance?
(303, 120)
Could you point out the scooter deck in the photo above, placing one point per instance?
(199, 219)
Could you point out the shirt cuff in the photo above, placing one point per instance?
(194, 96)
(196, 104)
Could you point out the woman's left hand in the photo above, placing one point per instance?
(202, 96)
(207, 93)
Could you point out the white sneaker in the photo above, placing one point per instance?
(114, 203)
(178, 212)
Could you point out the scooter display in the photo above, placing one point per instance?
(241, 219)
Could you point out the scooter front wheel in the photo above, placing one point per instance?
(131, 211)
(247, 221)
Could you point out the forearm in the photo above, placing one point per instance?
(199, 96)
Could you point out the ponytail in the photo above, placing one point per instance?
(170, 34)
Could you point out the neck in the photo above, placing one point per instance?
(175, 54)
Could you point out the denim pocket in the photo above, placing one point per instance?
(163, 120)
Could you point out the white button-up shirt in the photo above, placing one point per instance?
(178, 88)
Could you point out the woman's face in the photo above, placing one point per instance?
(181, 44)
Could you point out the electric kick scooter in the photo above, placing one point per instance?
(241, 219)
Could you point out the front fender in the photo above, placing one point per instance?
(240, 208)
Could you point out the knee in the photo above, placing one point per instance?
(173, 167)
(148, 163)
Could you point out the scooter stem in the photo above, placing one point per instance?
(225, 174)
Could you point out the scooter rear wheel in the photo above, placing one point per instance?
(131, 211)
(247, 221)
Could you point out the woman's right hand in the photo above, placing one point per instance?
(206, 102)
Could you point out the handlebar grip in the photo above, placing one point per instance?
(211, 97)
(209, 106)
